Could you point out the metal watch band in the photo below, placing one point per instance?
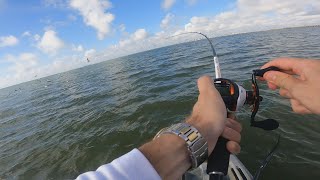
(197, 145)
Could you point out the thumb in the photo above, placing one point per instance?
(281, 79)
(205, 86)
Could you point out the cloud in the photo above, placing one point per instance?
(26, 34)
(25, 67)
(165, 22)
(89, 53)
(167, 4)
(21, 65)
(78, 48)
(8, 41)
(245, 16)
(122, 27)
(93, 13)
(36, 37)
(251, 16)
(286, 7)
(50, 43)
(138, 35)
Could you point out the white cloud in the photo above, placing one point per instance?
(293, 7)
(93, 13)
(78, 48)
(138, 35)
(165, 22)
(50, 43)
(20, 66)
(167, 4)
(89, 53)
(251, 16)
(25, 67)
(136, 42)
(36, 37)
(26, 34)
(23, 63)
(245, 16)
(122, 27)
(8, 41)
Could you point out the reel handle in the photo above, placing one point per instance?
(260, 72)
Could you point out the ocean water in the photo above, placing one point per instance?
(63, 125)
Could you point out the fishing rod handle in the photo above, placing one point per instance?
(218, 160)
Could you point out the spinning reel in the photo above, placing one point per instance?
(235, 96)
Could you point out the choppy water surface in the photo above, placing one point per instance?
(60, 126)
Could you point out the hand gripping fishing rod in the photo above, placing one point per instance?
(234, 97)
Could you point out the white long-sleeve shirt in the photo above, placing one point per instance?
(133, 165)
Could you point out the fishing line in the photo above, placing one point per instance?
(267, 159)
(211, 45)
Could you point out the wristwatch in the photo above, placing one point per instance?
(197, 145)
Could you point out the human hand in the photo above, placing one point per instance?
(209, 116)
(299, 82)
(232, 132)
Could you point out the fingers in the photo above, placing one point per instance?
(281, 79)
(285, 93)
(233, 147)
(298, 107)
(272, 86)
(295, 104)
(234, 125)
(231, 134)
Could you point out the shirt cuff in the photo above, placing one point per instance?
(133, 165)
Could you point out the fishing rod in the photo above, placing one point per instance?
(235, 97)
(215, 57)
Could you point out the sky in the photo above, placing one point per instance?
(44, 37)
